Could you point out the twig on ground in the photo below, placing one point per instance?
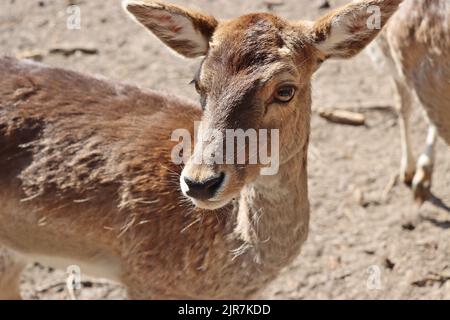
(343, 117)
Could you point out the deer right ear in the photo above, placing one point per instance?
(185, 31)
(346, 31)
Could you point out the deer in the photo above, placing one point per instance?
(414, 50)
(86, 171)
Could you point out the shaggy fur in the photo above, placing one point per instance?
(416, 46)
(86, 171)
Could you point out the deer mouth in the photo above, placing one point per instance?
(211, 204)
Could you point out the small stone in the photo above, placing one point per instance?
(408, 226)
(358, 195)
(389, 264)
(325, 5)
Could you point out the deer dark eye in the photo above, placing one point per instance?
(200, 92)
(196, 85)
(285, 94)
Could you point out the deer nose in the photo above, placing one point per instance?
(206, 189)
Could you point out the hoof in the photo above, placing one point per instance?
(407, 177)
(421, 193)
(421, 184)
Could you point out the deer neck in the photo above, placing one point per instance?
(273, 214)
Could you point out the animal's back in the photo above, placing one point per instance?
(68, 130)
(419, 39)
(81, 159)
(86, 178)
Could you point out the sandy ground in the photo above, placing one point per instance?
(384, 237)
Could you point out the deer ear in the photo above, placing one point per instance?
(346, 31)
(185, 31)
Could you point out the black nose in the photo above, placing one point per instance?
(205, 189)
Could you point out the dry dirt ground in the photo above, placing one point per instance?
(360, 229)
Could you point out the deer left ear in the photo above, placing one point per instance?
(185, 31)
(346, 31)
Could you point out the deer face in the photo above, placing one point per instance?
(250, 82)
(254, 78)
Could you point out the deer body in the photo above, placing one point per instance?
(86, 171)
(416, 46)
(110, 214)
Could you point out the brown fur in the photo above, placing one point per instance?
(416, 46)
(356, 15)
(87, 176)
(420, 37)
(162, 14)
(100, 166)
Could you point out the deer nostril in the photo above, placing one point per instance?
(205, 189)
(215, 182)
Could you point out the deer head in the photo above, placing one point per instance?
(255, 74)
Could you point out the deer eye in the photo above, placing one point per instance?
(196, 85)
(285, 93)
